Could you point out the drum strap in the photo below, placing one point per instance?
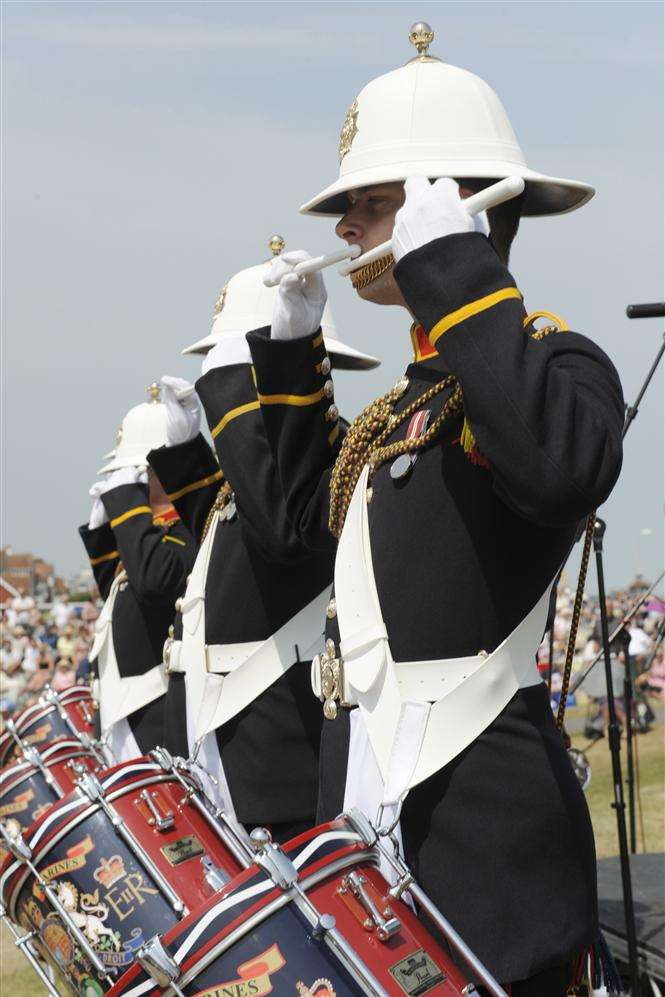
(411, 737)
(120, 695)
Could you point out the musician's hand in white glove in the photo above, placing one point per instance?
(229, 351)
(431, 211)
(183, 410)
(300, 301)
(98, 513)
(125, 476)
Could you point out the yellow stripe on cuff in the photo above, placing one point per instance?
(317, 342)
(139, 510)
(312, 399)
(104, 557)
(332, 436)
(473, 308)
(174, 540)
(233, 414)
(195, 485)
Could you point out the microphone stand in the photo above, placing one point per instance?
(656, 310)
(629, 701)
(614, 737)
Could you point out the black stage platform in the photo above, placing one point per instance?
(648, 877)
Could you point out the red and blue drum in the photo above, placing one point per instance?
(335, 932)
(30, 787)
(66, 714)
(126, 855)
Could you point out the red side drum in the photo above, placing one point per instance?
(30, 787)
(337, 933)
(66, 714)
(124, 856)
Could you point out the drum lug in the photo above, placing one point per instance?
(385, 922)
(272, 859)
(162, 821)
(155, 959)
(16, 843)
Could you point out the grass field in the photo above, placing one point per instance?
(18, 980)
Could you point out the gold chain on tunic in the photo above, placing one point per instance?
(221, 501)
(365, 439)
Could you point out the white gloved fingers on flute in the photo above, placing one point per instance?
(183, 410)
(98, 513)
(430, 211)
(300, 301)
(227, 352)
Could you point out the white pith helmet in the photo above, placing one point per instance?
(143, 429)
(432, 119)
(118, 437)
(246, 303)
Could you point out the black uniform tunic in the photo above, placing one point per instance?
(463, 549)
(260, 575)
(157, 558)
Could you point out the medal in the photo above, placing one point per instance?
(402, 465)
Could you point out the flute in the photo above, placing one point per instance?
(499, 192)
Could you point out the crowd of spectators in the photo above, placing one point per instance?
(40, 646)
(639, 641)
(43, 645)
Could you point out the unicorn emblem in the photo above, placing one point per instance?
(90, 919)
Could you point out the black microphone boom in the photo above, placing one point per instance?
(655, 309)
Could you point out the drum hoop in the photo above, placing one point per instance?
(27, 768)
(74, 693)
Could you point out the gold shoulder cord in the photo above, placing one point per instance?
(223, 498)
(364, 443)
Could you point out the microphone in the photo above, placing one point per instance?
(655, 309)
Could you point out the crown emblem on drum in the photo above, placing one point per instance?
(109, 871)
(219, 304)
(349, 130)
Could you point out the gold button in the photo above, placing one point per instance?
(325, 365)
(330, 647)
(369, 495)
(331, 609)
(483, 654)
(178, 605)
(332, 414)
(171, 631)
(402, 385)
(329, 389)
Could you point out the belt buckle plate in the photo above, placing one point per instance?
(331, 677)
(166, 654)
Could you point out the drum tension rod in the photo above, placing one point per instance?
(272, 859)
(23, 942)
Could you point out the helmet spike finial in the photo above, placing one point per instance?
(421, 35)
(153, 393)
(276, 244)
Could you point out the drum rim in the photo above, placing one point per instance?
(27, 767)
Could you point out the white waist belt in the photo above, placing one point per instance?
(220, 658)
(429, 711)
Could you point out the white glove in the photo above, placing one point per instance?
(98, 512)
(300, 301)
(183, 410)
(227, 352)
(124, 476)
(431, 211)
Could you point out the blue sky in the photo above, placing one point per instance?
(150, 150)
